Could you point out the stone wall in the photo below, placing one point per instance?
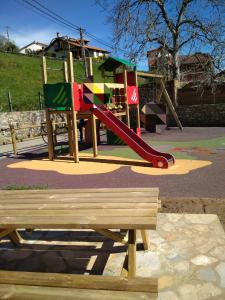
(200, 115)
(18, 120)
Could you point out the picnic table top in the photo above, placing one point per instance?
(107, 208)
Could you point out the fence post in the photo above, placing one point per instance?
(40, 101)
(13, 136)
(10, 101)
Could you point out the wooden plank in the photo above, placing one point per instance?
(159, 93)
(23, 292)
(113, 283)
(114, 85)
(3, 233)
(131, 253)
(73, 205)
(87, 222)
(74, 201)
(30, 195)
(115, 236)
(76, 194)
(145, 239)
(80, 213)
(93, 190)
(170, 105)
(55, 194)
(16, 238)
(143, 74)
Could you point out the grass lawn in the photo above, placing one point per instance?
(21, 75)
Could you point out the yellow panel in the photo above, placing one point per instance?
(98, 88)
(90, 86)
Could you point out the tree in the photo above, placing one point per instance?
(176, 26)
(7, 45)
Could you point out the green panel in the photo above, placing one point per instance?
(98, 99)
(113, 139)
(112, 63)
(58, 95)
(108, 94)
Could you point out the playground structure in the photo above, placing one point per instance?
(90, 100)
(156, 111)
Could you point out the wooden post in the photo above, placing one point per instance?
(138, 111)
(44, 70)
(74, 113)
(89, 67)
(54, 132)
(16, 238)
(13, 137)
(131, 253)
(75, 137)
(40, 100)
(159, 92)
(10, 101)
(65, 71)
(48, 118)
(70, 67)
(125, 95)
(50, 135)
(138, 117)
(68, 117)
(94, 136)
(145, 239)
(175, 91)
(170, 105)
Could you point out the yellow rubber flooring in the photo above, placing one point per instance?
(107, 164)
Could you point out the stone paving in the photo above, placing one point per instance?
(187, 255)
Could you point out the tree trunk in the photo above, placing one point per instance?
(176, 76)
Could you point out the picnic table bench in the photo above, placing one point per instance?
(103, 210)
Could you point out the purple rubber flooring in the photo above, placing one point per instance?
(203, 182)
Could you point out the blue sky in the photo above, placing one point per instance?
(25, 25)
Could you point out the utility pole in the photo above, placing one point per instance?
(83, 51)
(7, 32)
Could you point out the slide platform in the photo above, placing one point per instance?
(156, 158)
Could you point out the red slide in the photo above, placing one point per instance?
(156, 158)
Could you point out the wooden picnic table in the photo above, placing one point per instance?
(103, 210)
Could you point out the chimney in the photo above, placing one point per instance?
(57, 34)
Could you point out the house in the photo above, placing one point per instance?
(33, 47)
(60, 45)
(195, 67)
(160, 60)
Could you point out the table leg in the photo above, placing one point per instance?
(145, 239)
(16, 238)
(4, 232)
(131, 253)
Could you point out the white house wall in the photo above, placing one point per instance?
(33, 48)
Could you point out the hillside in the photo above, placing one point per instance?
(22, 76)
